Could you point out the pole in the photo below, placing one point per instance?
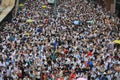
(16, 8)
(55, 13)
(114, 6)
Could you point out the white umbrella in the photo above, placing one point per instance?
(51, 1)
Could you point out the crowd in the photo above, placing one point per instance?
(54, 48)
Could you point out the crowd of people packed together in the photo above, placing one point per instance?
(76, 42)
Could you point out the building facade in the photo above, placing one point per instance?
(118, 7)
(112, 5)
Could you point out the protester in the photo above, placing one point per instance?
(36, 45)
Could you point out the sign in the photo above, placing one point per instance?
(51, 1)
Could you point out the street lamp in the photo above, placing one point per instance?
(16, 7)
(55, 12)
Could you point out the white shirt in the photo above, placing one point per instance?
(14, 77)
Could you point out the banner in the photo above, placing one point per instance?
(51, 1)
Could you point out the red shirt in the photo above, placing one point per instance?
(72, 76)
(65, 51)
(89, 54)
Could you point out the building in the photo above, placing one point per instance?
(112, 5)
(118, 7)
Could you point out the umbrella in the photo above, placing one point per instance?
(117, 41)
(90, 22)
(81, 79)
(30, 21)
(44, 6)
(76, 22)
(51, 1)
(21, 5)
